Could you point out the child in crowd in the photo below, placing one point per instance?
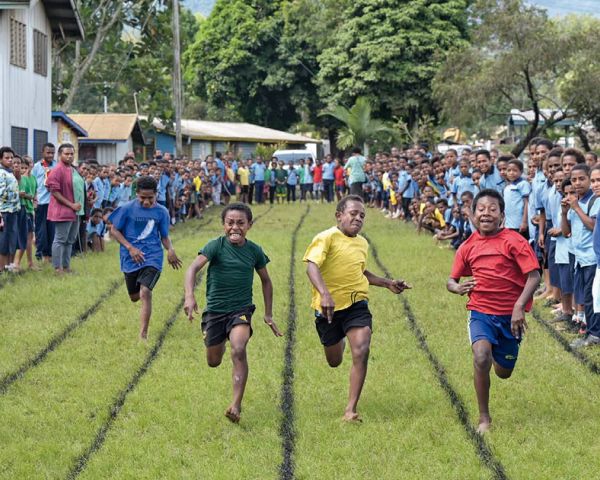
(141, 226)
(578, 221)
(95, 231)
(232, 260)
(516, 196)
(504, 273)
(336, 266)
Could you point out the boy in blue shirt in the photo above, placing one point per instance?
(141, 226)
(516, 198)
(595, 182)
(95, 231)
(578, 220)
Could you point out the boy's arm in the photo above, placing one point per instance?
(588, 221)
(518, 325)
(171, 255)
(315, 277)
(542, 228)
(524, 225)
(395, 286)
(453, 286)
(190, 306)
(267, 288)
(136, 254)
(565, 225)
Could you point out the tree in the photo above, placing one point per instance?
(359, 126)
(516, 60)
(233, 61)
(389, 51)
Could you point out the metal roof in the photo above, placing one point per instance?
(107, 127)
(69, 121)
(233, 131)
(522, 118)
(64, 18)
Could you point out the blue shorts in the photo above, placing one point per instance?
(496, 330)
(566, 272)
(579, 285)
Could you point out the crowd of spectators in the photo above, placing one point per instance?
(551, 201)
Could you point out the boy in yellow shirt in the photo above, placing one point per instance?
(336, 266)
(244, 178)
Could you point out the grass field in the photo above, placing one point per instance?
(80, 396)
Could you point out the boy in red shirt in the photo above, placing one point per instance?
(505, 275)
(318, 181)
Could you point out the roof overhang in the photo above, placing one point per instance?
(79, 130)
(91, 141)
(64, 19)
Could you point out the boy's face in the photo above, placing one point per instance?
(464, 168)
(557, 179)
(351, 220)
(502, 166)
(512, 173)
(581, 182)
(7, 160)
(552, 164)
(476, 176)
(595, 181)
(96, 218)
(487, 216)
(590, 160)
(146, 197)
(568, 162)
(16, 166)
(569, 193)
(483, 163)
(236, 226)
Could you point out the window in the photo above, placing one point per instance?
(18, 43)
(18, 140)
(40, 53)
(40, 137)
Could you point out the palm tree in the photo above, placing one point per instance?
(359, 128)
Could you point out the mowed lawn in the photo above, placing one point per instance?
(98, 403)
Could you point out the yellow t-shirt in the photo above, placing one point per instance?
(436, 215)
(342, 261)
(197, 183)
(244, 175)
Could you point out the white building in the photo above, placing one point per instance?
(27, 28)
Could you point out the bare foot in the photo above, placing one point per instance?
(34, 268)
(144, 336)
(485, 423)
(233, 414)
(352, 417)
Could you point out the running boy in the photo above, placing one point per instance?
(141, 226)
(336, 266)
(232, 261)
(505, 276)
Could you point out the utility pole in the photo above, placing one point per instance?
(177, 78)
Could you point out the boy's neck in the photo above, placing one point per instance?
(490, 234)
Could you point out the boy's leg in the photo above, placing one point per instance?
(145, 296)
(360, 341)
(238, 338)
(335, 353)
(482, 363)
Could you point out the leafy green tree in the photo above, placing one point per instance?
(389, 51)
(517, 60)
(359, 127)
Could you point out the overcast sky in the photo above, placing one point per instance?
(564, 7)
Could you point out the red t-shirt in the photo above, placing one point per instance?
(500, 265)
(318, 174)
(338, 174)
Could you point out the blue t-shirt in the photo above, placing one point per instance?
(596, 242)
(98, 184)
(95, 229)
(328, 169)
(40, 172)
(163, 184)
(258, 169)
(462, 184)
(582, 237)
(143, 228)
(514, 200)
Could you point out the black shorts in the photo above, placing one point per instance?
(356, 315)
(245, 188)
(217, 326)
(147, 276)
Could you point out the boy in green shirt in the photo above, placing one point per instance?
(232, 261)
(27, 192)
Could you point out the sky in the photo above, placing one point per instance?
(564, 7)
(554, 7)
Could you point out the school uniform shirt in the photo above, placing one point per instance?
(163, 185)
(462, 184)
(40, 171)
(144, 228)
(596, 242)
(107, 187)
(412, 189)
(342, 261)
(499, 264)
(492, 179)
(98, 185)
(515, 194)
(231, 273)
(582, 237)
(561, 252)
(292, 178)
(328, 169)
(258, 170)
(92, 229)
(451, 174)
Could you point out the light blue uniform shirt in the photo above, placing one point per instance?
(258, 169)
(514, 201)
(492, 180)
(582, 237)
(463, 184)
(41, 173)
(328, 171)
(99, 188)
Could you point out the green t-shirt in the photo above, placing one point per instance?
(29, 186)
(79, 191)
(281, 175)
(231, 274)
(356, 164)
